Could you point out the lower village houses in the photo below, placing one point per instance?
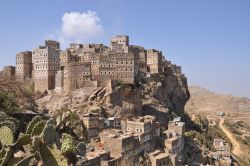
(112, 141)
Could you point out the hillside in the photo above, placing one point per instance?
(209, 103)
(235, 123)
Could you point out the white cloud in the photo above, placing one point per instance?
(79, 27)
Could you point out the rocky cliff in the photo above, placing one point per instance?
(158, 98)
(169, 94)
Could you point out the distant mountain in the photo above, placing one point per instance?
(208, 103)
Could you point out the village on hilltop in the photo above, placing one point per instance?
(84, 65)
(140, 139)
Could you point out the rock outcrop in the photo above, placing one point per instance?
(169, 93)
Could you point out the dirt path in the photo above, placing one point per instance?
(236, 145)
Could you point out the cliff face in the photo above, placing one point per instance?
(168, 94)
(156, 98)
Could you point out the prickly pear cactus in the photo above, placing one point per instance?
(36, 141)
(68, 144)
(49, 134)
(7, 156)
(38, 128)
(23, 139)
(6, 136)
(81, 148)
(51, 121)
(32, 124)
(11, 123)
(52, 156)
(2, 153)
(26, 161)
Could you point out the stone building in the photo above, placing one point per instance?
(59, 84)
(176, 70)
(154, 61)
(120, 145)
(174, 141)
(75, 75)
(120, 43)
(113, 122)
(8, 71)
(81, 64)
(94, 48)
(46, 63)
(67, 57)
(221, 154)
(93, 123)
(159, 158)
(177, 126)
(107, 67)
(23, 65)
(145, 129)
(125, 68)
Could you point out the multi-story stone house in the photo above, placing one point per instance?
(93, 123)
(174, 141)
(154, 61)
(75, 75)
(120, 43)
(119, 145)
(94, 48)
(46, 63)
(159, 158)
(145, 129)
(107, 67)
(23, 66)
(125, 68)
(176, 70)
(112, 122)
(66, 57)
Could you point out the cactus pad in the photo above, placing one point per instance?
(68, 144)
(36, 141)
(32, 124)
(52, 156)
(26, 161)
(6, 136)
(49, 134)
(38, 128)
(51, 121)
(7, 157)
(23, 139)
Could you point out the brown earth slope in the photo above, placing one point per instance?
(236, 122)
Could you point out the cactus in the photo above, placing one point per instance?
(8, 155)
(6, 136)
(52, 156)
(38, 128)
(68, 144)
(32, 124)
(81, 148)
(13, 161)
(42, 136)
(11, 123)
(36, 141)
(26, 161)
(51, 121)
(23, 139)
(2, 153)
(49, 134)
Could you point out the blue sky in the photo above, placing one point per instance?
(210, 39)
